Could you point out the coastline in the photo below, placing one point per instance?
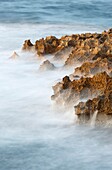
(89, 88)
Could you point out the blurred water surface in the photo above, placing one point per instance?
(55, 11)
(34, 135)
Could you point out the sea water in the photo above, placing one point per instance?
(35, 134)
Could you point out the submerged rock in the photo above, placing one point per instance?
(14, 56)
(47, 65)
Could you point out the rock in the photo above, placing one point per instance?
(84, 88)
(40, 46)
(90, 46)
(110, 31)
(75, 49)
(27, 46)
(46, 46)
(66, 82)
(46, 65)
(102, 56)
(84, 50)
(14, 56)
(62, 53)
(90, 54)
(91, 68)
(102, 104)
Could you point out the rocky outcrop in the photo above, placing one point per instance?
(79, 47)
(91, 68)
(84, 88)
(89, 88)
(102, 104)
(88, 49)
(97, 91)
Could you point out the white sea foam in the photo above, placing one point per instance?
(25, 93)
(34, 134)
(13, 35)
(93, 119)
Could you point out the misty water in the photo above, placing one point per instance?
(35, 134)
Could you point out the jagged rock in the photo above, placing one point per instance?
(28, 46)
(102, 56)
(90, 47)
(39, 45)
(102, 104)
(46, 46)
(92, 80)
(84, 88)
(84, 50)
(91, 68)
(46, 65)
(14, 56)
(83, 47)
